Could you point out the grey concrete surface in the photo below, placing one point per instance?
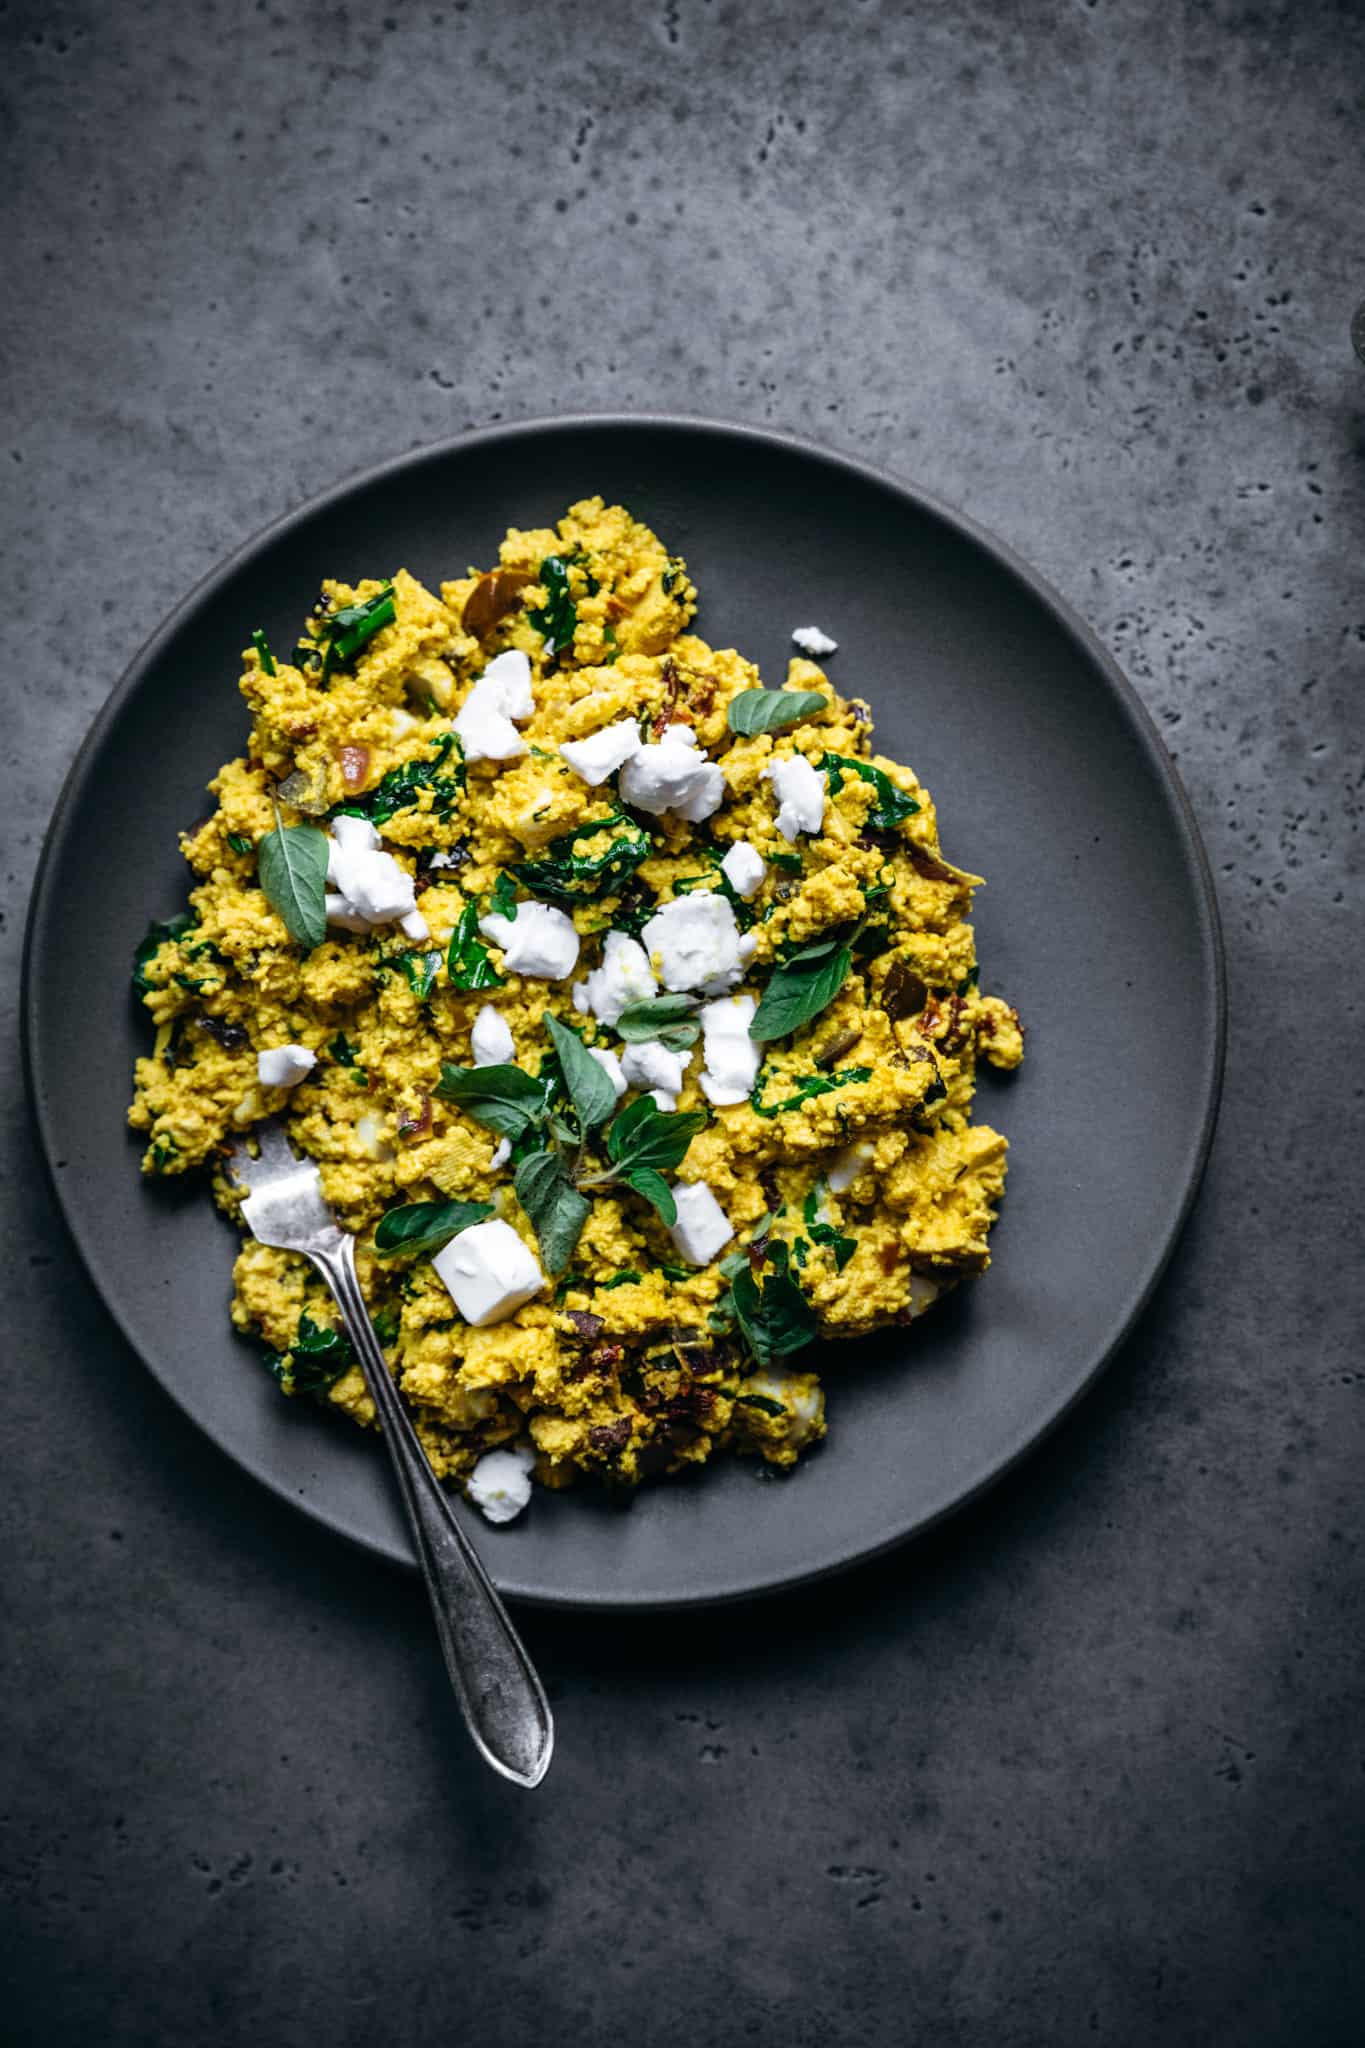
(1087, 1765)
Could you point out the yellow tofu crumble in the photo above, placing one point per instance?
(854, 1184)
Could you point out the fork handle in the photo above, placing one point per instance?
(500, 1695)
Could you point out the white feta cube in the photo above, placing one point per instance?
(500, 1484)
(650, 1064)
(372, 885)
(732, 1059)
(491, 1039)
(698, 944)
(602, 753)
(673, 776)
(284, 1066)
(611, 1067)
(539, 941)
(414, 925)
(702, 1228)
(744, 868)
(800, 793)
(502, 1152)
(625, 976)
(350, 835)
(488, 1272)
(505, 684)
(486, 734)
(813, 642)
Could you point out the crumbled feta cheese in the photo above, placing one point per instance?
(611, 1067)
(744, 868)
(539, 940)
(488, 1272)
(602, 753)
(446, 860)
(800, 792)
(698, 944)
(812, 641)
(702, 1226)
(732, 1058)
(500, 1484)
(491, 1038)
(284, 1066)
(651, 1065)
(673, 776)
(506, 684)
(502, 1152)
(368, 886)
(853, 1160)
(414, 925)
(486, 734)
(924, 1292)
(625, 976)
(804, 1403)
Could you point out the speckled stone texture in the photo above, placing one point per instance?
(1086, 1765)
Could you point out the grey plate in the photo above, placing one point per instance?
(1099, 922)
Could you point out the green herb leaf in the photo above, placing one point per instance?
(504, 897)
(159, 933)
(770, 710)
(318, 1356)
(467, 958)
(401, 789)
(555, 1207)
(558, 618)
(292, 870)
(655, 1190)
(342, 1051)
(670, 1019)
(354, 625)
(645, 1135)
(590, 1089)
(810, 1085)
(503, 1099)
(776, 1319)
(421, 970)
(892, 807)
(621, 1279)
(239, 842)
(761, 1402)
(426, 1226)
(567, 874)
(800, 989)
(267, 659)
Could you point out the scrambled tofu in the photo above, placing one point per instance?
(827, 1178)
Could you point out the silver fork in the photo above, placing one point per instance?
(501, 1697)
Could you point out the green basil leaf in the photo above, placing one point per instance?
(655, 1190)
(503, 1099)
(776, 1319)
(239, 842)
(892, 807)
(645, 1135)
(555, 1207)
(770, 710)
(159, 933)
(292, 868)
(590, 1089)
(621, 1279)
(670, 1019)
(467, 958)
(426, 1226)
(800, 989)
